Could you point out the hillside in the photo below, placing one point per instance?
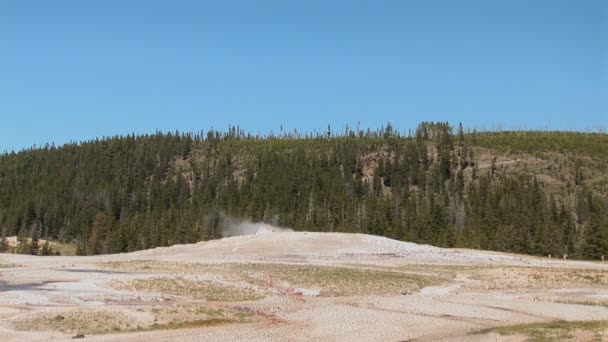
(529, 192)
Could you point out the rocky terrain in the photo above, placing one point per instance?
(302, 286)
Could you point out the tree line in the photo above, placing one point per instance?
(133, 192)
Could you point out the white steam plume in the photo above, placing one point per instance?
(232, 228)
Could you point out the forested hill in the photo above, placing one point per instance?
(530, 192)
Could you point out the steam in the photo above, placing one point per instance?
(246, 227)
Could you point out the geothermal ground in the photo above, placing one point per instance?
(287, 286)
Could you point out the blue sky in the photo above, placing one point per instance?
(74, 70)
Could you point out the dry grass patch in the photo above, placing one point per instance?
(443, 271)
(145, 266)
(153, 266)
(6, 264)
(555, 331)
(180, 317)
(78, 321)
(193, 289)
(534, 277)
(581, 302)
(335, 281)
(64, 248)
(105, 321)
(331, 281)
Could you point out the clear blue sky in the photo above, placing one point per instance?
(73, 70)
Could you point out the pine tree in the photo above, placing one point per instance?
(99, 231)
(23, 243)
(594, 244)
(34, 246)
(460, 135)
(172, 187)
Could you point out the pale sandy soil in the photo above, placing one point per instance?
(297, 287)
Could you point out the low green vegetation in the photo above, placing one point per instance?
(330, 281)
(532, 142)
(77, 321)
(335, 281)
(193, 289)
(556, 331)
(104, 321)
(151, 266)
(182, 317)
(7, 265)
(581, 302)
(535, 277)
(190, 324)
